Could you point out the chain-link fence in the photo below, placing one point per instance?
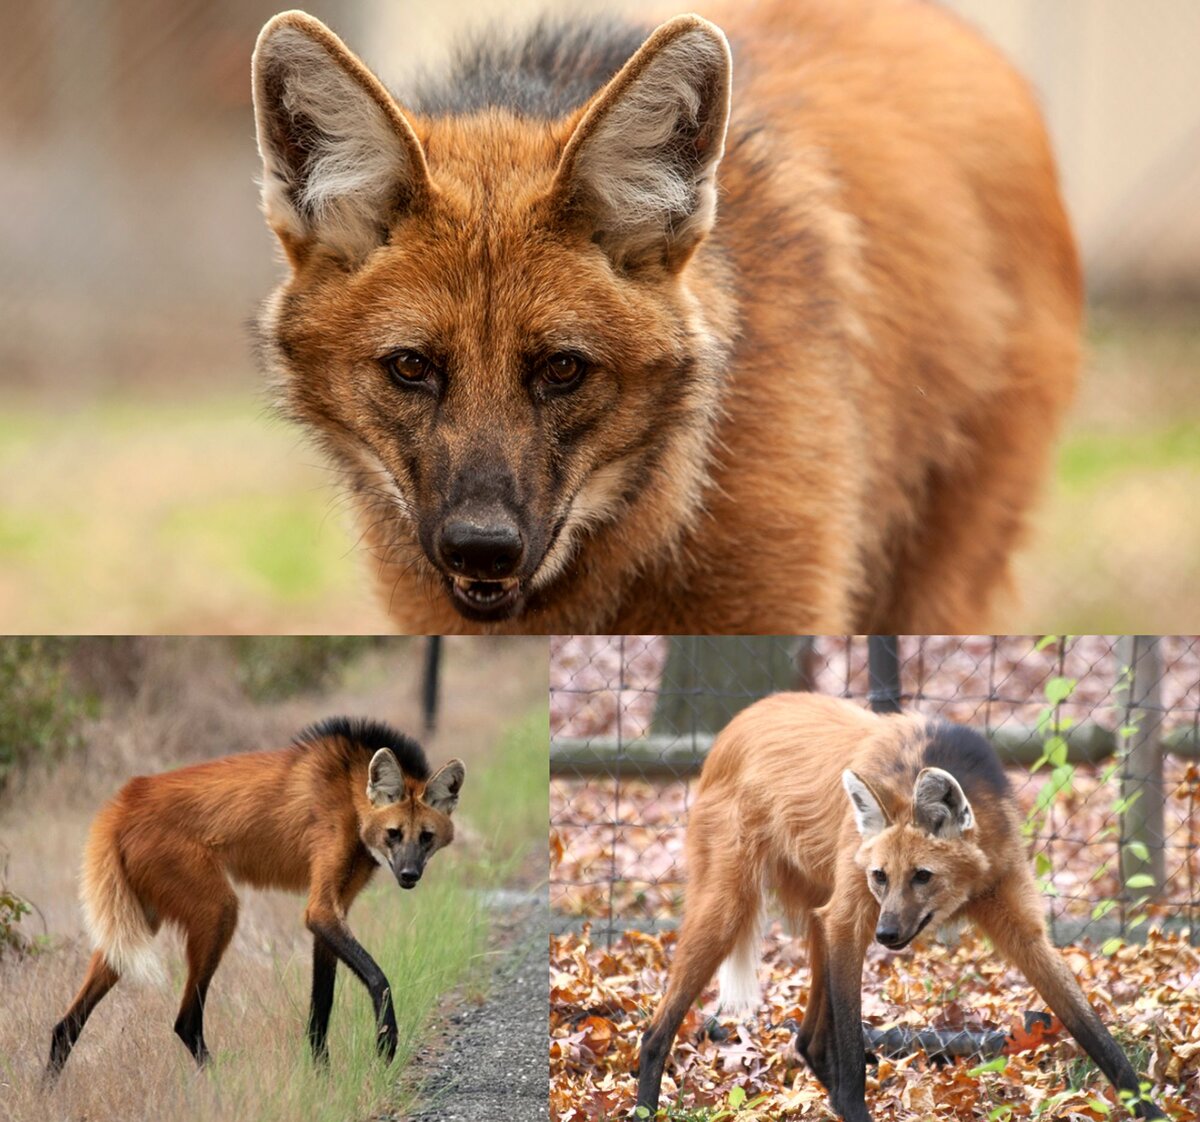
(1100, 735)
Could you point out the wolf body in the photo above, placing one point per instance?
(316, 817)
(865, 827)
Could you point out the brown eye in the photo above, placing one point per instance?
(562, 370)
(426, 837)
(407, 367)
(922, 876)
(879, 876)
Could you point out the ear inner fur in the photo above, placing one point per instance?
(869, 814)
(335, 165)
(632, 185)
(442, 790)
(940, 806)
(385, 779)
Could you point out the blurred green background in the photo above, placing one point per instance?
(144, 485)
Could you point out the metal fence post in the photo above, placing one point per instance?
(883, 673)
(429, 682)
(1140, 746)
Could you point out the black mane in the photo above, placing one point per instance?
(546, 70)
(967, 755)
(370, 736)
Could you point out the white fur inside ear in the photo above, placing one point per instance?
(940, 806)
(385, 778)
(333, 163)
(649, 166)
(868, 814)
(441, 792)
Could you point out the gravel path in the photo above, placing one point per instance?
(492, 1062)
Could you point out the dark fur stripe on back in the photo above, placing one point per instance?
(370, 736)
(546, 70)
(967, 756)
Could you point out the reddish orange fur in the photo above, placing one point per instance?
(891, 266)
(165, 849)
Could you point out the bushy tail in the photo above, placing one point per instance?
(114, 916)
(738, 976)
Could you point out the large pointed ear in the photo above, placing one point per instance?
(441, 792)
(939, 805)
(339, 156)
(385, 779)
(640, 167)
(869, 815)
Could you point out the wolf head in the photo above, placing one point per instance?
(924, 864)
(488, 323)
(408, 821)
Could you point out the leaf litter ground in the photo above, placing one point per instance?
(601, 998)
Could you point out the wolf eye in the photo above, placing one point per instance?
(922, 876)
(395, 835)
(408, 368)
(562, 371)
(879, 876)
(426, 837)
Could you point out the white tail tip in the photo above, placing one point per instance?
(738, 979)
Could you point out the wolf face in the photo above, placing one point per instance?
(487, 323)
(408, 821)
(922, 871)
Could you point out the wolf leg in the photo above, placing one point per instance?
(1012, 918)
(726, 903)
(99, 980)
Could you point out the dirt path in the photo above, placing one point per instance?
(491, 1061)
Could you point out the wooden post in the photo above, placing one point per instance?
(707, 680)
(1141, 770)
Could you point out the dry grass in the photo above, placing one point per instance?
(128, 1064)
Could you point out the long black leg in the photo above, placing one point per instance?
(324, 971)
(366, 969)
(100, 979)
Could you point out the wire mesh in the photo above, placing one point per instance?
(631, 718)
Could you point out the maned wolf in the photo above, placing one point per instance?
(930, 832)
(616, 331)
(315, 817)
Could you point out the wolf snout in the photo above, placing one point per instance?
(481, 547)
(408, 877)
(888, 935)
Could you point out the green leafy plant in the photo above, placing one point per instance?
(40, 706)
(1052, 725)
(13, 909)
(270, 668)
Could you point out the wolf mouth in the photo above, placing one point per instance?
(491, 601)
(920, 927)
(486, 600)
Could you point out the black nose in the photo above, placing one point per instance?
(480, 550)
(408, 877)
(889, 936)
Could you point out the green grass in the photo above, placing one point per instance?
(1089, 459)
(263, 540)
(432, 944)
(516, 791)
(199, 515)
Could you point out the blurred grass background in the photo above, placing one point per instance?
(144, 485)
